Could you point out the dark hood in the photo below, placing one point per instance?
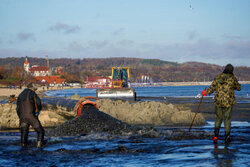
(229, 69)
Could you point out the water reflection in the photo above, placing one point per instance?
(224, 155)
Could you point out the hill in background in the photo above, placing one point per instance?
(158, 70)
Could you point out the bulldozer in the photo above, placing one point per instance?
(120, 85)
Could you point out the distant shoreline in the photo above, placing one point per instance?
(180, 83)
(6, 92)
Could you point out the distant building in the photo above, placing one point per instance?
(56, 70)
(36, 70)
(39, 71)
(59, 70)
(98, 82)
(43, 74)
(52, 80)
(26, 65)
(74, 84)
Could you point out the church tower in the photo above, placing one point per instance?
(26, 65)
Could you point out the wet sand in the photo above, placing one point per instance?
(6, 92)
(241, 111)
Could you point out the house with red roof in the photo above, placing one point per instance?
(36, 70)
(43, 74)
(98, 82)
(39, 71)
(52, 80)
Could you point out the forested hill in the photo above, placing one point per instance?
(158, 70)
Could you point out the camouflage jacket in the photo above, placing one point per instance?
(224, 86)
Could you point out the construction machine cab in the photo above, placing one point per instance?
(120, 77)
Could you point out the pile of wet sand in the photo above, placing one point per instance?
(150, 113)
(93, 121)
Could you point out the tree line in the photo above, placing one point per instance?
(77, 70)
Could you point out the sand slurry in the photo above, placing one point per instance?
(150, 113)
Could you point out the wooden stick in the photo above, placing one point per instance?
(196, 112)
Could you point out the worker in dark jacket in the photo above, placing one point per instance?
(28, 109)
(224, 85)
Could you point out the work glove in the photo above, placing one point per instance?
(37, 113)
(204, 93)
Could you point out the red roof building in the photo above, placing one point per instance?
(98, 82)
(39, 70)
(52, 80)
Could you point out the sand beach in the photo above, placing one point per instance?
(6, 92)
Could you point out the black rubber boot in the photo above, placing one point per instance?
(24, 139)
(216, 132)
(40, 136)
(24, 133)
(227, 138)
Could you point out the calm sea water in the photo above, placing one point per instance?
(161, 91)
(98, 150)
(242, 96)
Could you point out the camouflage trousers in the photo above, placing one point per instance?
(223, 113)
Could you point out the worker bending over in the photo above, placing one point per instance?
(28, 109)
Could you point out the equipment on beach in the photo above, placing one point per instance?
(90, 100)
(121, 86)
(12, 98)
(196, 112)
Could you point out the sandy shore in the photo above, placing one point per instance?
(6, 92)
(240, 110)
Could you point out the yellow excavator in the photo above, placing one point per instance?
(121, 85)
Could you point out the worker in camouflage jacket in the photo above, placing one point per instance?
(223, 85)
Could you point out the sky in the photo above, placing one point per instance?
(209, 31)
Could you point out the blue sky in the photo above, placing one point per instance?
(209, 31)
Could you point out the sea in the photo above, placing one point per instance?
(97, 150)
(159, 93)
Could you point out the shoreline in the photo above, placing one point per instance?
(240, 110)
(6, 92)
(180, 83)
